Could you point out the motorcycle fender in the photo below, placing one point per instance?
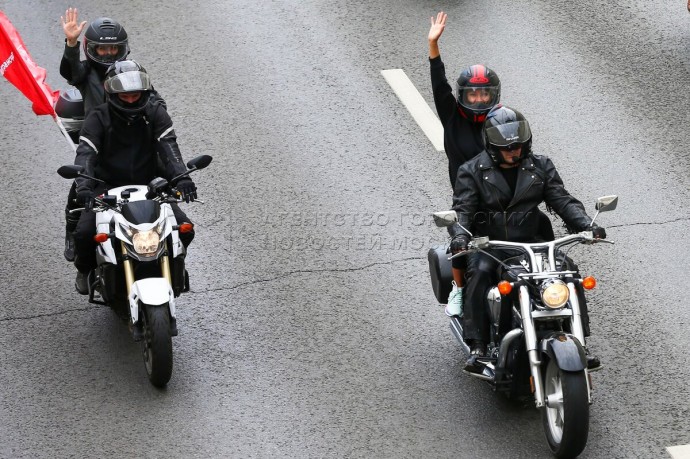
(567, 350)
(154, 291)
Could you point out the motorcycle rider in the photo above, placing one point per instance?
(496, 195)
(105, 42)
(478, 91)
(120, 143)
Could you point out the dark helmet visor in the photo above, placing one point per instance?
(128, 82)
(513, 133)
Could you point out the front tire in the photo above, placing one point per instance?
(566, 414)
(157, 344)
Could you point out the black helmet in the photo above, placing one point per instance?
(105, 32)
(505, 129)
(127, 77)
(471, 80)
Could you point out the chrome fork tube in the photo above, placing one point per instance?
(576, 319)
(165, 266)
(531, 342)
(129, 271)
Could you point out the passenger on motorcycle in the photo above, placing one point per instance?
(496, 195)
(478, 91)
(105, 42)
(120, 143)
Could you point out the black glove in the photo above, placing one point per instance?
(598, 232)
(85, 197)
(187, 189)
(459, 243)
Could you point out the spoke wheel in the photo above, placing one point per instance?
(566, 414)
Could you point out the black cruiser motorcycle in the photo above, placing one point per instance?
(537, 339)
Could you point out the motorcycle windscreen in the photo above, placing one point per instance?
(141, 212)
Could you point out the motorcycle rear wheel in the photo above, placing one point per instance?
(566, 415)
(157, 344)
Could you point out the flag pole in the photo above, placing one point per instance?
(64, 132)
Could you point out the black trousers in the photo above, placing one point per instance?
(71, 219)
(85, 246)
(482, 274)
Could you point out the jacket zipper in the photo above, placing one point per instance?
(505, 211)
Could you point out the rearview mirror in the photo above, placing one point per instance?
(70, 172)
(606, 203)
(445, 218)
(199, 162)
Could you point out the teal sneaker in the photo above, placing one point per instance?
(454, 306)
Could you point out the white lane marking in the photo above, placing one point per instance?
(416, 105)
(679, 452)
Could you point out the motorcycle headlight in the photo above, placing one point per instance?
(555, 294)
(146, 242)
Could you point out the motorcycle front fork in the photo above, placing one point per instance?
(531, 340)
(129, 269)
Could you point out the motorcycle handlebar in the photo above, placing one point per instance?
(479, 243)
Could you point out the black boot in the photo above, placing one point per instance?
(477, 350)
(593, 362)
(82, 283)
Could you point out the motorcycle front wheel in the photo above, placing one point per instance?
(157, 344)
(566, 414)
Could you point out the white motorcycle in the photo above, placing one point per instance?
(537, 338)
(140, 262)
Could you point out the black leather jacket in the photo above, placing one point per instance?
(485, 206)
(126, 152)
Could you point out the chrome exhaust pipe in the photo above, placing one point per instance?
(482, 376)
(505, 345)
(456, 327)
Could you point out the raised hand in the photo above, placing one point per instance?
(71, 26)
(438, 25)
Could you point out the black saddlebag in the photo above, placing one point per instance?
(441, 273)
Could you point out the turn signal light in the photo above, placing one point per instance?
(101, 237)
(589, 282)
(505, 287)
(186, 228)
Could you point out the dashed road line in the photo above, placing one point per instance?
(679, 452)
(416, 105)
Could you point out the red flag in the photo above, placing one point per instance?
(17, 66)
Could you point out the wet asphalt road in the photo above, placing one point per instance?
(311, 329)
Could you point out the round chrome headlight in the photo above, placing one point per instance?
(555, 294)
